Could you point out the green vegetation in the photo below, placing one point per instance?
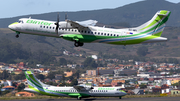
(142, 51)
(90, 63)
(21, 87)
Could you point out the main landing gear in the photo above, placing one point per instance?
(78, 98)
(17, 35)
(77, 44)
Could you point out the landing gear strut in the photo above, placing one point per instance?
(78, 98)
(77, 44)
(17, 35)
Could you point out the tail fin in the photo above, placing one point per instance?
(33, 83)
(156, 24)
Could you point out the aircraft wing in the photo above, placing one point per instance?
(79, 88)
(82, 24)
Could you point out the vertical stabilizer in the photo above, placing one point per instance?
(156, 24)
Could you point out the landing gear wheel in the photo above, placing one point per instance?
(76, 44)
(17, 36)
(81, 44)
(120, 97)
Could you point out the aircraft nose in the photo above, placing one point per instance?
(125, 93)
(11, 27)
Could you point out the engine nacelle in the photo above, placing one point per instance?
(64, 24)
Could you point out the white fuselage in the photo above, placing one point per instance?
(96, 92)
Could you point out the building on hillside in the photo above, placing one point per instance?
(94, 57)
(175, 92)
(8, 88)
(7, 83)
(58, 77)
(91, 72)
(68, 74)
(107, 71)
(124, 72)
(21, 64)
(24, 94)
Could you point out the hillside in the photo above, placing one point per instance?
(135, 14)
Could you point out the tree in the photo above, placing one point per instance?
(21, 87)
(89, 62)
(74, 82)
(40, 76)
(20, 76)
(4, 75)
(62, 61)
(51, 75)
(142, 51)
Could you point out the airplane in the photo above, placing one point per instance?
(86, 32)
(77, 91)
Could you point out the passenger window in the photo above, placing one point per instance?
(47, 27)
(84, 31)
(114, 34)
(101, 33)
(88, 31)
(108, 34)
(95, 33)
(59, 28)
(75, 30)
(117, 35)
(72, 30)
(111, 34)
(44, 26)
(105, 34)
(79, 30)
(41, 26)
(53, 27)
(91, 32)
(98, 33)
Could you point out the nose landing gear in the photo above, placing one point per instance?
(17, 34)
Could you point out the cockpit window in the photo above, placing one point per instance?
(20, 21)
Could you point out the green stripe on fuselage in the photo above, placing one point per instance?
(135, 41)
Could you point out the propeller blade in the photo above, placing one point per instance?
(57, 24)
(66, 16)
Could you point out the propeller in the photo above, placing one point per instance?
(66, 16)
(57, 24)
(92, 85)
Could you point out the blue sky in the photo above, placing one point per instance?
(12, 8)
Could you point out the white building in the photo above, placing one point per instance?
(94, 57)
